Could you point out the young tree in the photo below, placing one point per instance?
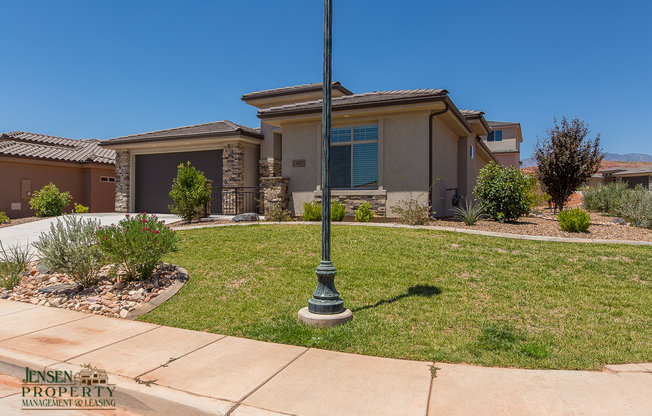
(189, 192)
(566, 159)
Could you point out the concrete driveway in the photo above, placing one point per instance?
(24, 234)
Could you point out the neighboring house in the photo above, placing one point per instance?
(377, 139)
(504, 141)
(29, 161)
(631, 176)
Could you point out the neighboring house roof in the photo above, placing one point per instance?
(501, 123)
(369, 99)
(218, 128)
(295, 89)
(643, 170)
(40, 146)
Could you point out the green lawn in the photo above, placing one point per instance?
(422, 295)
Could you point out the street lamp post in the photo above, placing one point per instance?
(325, 308)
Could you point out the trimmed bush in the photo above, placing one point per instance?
(49, 202)
(190, 192)
(137, 244)
(506, 193)
(311, 211)
(574, 221)
(364, 213)
(4, 219)
(80, 209)
(71, 248)
(337, 211)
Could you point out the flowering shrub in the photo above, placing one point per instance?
(137, 244)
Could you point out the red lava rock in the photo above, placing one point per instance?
(33, 272)
(83, 307)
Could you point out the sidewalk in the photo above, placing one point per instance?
(197, 373)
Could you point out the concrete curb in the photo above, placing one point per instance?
(435, 228)
(159, 300)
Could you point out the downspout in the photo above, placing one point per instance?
(430, 119)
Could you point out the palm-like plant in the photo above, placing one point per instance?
(469, 213)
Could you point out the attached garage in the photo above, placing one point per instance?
(632, 181)
(146, 164)
(155, 173)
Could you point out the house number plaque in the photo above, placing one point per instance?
(299, 163)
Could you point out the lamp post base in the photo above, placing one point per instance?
(324, 321)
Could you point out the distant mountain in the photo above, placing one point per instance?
(629, 157)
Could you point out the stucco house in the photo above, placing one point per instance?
(504, 141)
(377, 139)
(29, 161)
(631, 176)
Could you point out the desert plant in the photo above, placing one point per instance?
(80, 209)
(635, 205)
(412, 211)
(13, 263)
(604, 198)
(311, 211)
(71, 248)
(276, 213)
(364, 212)
(49, 202)
(190, 192)
(469, 213)
(506, 193)
(4, 219)
(337, 211)
(574, 220)
(137, 244)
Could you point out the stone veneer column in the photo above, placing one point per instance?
(269, 168)
(122, 187)
(275, 191)
(232, 176)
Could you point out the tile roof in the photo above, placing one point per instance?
(501, 123)
(216, 128)
(359, 100)
(633, 171)
(41, 146)
(295, 89)
(471, 113)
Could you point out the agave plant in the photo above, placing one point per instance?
(469, 213)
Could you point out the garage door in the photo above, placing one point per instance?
(154, 175)
(632, 181)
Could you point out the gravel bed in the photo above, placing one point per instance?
(546, 224)
(20, 221)
(108, 297)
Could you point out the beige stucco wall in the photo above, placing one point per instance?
(446, 152)
(301, 142)
(509, 159)
(81, 180)
(269, 143)
(251, 157)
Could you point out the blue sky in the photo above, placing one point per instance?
(102, 69)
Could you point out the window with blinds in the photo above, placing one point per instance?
(354, 157)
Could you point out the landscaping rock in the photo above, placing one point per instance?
(249, 216)
(42, 268)
(618, 221)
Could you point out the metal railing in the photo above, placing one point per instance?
(236, 200)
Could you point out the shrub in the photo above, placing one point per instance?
(71, 248)
(80, 209)
(364, 212)
(137, 244)
(635, 205)
(412, 211)
(4, 219)
(469, 213)
(13, 263)
(190, 192)
(604, 198)
(276, 213)
(49, 202)
(506, 193)
(311, 211)
(574, 221)
(537, 195)
(337, 211)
